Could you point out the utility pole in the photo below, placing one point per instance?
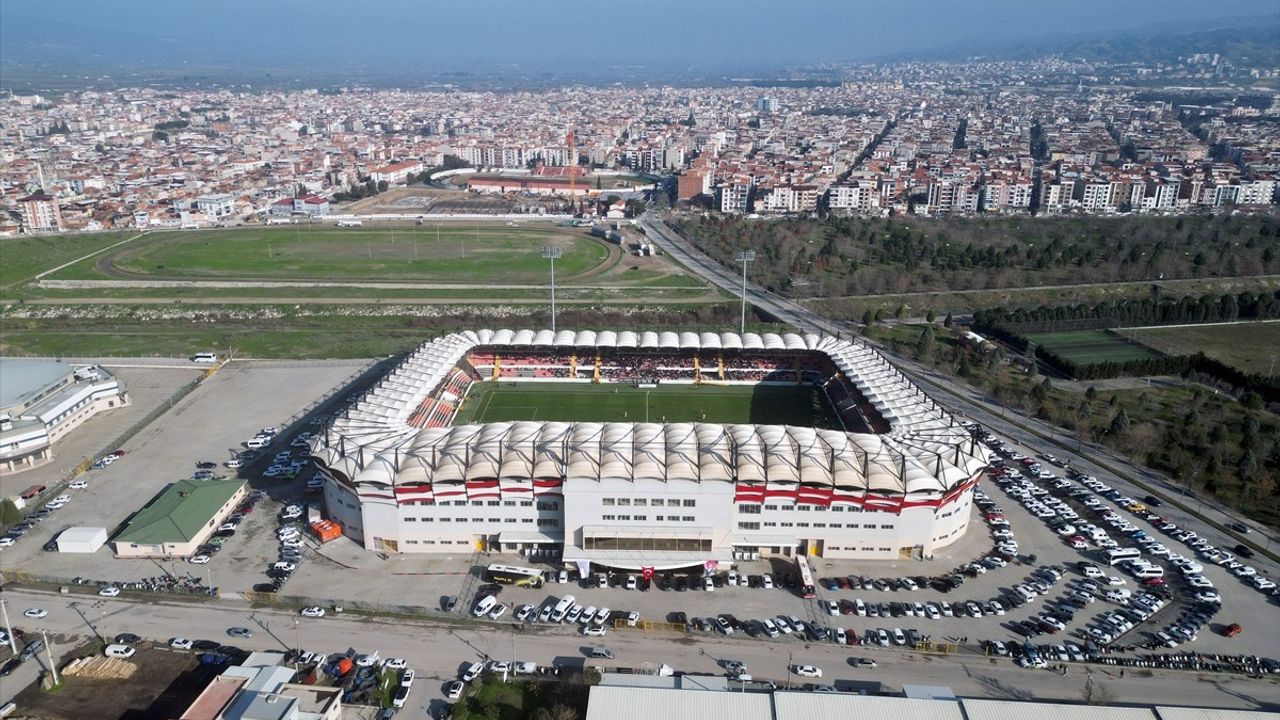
(48, 649)
(551, 253)
(744, 257)
(790, 659)
(4, 607)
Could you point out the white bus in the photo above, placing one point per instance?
(349, 223)
(1116, 556)
(512, 575)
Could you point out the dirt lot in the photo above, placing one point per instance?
(163, 687)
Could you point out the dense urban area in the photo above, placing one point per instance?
(923, 388)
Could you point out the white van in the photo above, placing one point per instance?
(1148, 571)
(484, 606)
(119, 651)
(562, 608)
(204, 357)
(1118, 595)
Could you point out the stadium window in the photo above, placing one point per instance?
(886, 527)
(688, 518)
(608, 517)
(495, 520)
(607, 501)
(509, 503)
(640, 502)
(748, 526)
(427, 519)
(885, 549)
(443, 519)
(495, 503)
(803, 524)
(657, 502)
(786, 508)
(526, 503)
(819, 508)
(819, 525)
(411, 519)
(804, 508)
(770, 507)
(510, 520)
(837, 508)
(787, 524)
(624, 517)
(658, 518)
(548, 505)
(690, 503)
(548, 522)
(527, 520)
(476, 519)
(749, 509)
(771, 524)
(624, 502)
(642, 518)
(459, 502)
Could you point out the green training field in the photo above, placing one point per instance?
(782, 405)
(1084, 347)
(456, 254)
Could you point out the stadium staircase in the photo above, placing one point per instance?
(595, 376)
(697, 370)
(573, 366)
(720, 362)
(497, 371)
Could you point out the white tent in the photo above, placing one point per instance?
(82, 539)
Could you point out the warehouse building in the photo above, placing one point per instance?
(180, 519)
(634, 495)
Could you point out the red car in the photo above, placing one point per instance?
(1153, 582)
(843, 583)
(1232, 630)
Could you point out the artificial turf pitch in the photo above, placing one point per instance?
(563, 402)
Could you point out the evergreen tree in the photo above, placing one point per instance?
(1120, 423)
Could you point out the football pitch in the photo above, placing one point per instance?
(1085, 347)
(564, 402)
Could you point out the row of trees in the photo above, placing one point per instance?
(1227, 307)
(855, 256)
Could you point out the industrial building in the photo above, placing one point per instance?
(42, 400)
(895, 483)
(180, 519)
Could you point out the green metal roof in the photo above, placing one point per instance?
(179, 513)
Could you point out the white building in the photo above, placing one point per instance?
(631, 495)
(41, 401)
(216, 206)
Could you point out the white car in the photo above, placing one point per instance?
(312, 612)
(199, 560)
(79, 485)
(284, 567)
(497, 611)
(499, 666)
(809, 671)
(36, 613)
(234, 463)
(395, 663)
(181, 644)
(454, 690)
(109, 591)
(594, 631)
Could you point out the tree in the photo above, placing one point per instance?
(382, 186)
(925, 342)
(948, 322)
(929, 316)
(867, 318)
(1248, 465)
(1041, 391)
(1091, 393)
(1120, 423)
(899, 312)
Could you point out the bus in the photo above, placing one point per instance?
(512, 575)
(1118, 555)
(806, 578)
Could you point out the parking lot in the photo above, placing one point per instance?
(210, 423)
(952, 605)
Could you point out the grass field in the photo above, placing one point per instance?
(1249, 347)
(1084, 347)
(456, 254)
(24, 257)
(490, 402)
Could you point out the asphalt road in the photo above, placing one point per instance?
(437, 652)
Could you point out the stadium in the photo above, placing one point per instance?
(643, 449)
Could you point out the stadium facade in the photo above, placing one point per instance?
(894, 482)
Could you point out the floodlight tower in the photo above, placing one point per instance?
(744, 257)
(551, 253)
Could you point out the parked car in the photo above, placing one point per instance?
(810, 671)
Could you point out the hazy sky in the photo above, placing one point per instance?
(694, 33)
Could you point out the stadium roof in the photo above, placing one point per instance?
(21, 379)
(925, 453)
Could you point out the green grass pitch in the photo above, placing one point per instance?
(1085, 347)
(574, 402)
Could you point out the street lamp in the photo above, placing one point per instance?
(551, 253)
(744, 257)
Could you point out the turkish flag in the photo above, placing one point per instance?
(646, 573)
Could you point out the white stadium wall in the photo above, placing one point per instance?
(402, 479)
